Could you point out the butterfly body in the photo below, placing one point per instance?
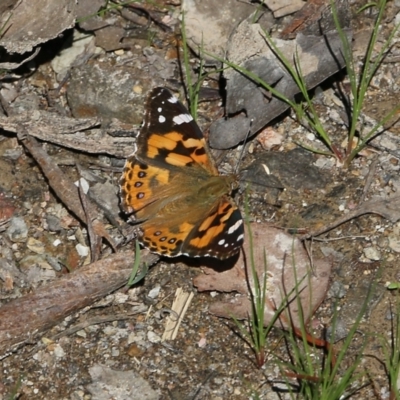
(174, 190)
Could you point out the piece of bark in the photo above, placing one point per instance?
(29, 23)
(66, 191)
(15, 65)
(179, 307)
(73, 133)
(316, 17)
(25, 319)
(42, 124)
(249, 107)
(281, 8)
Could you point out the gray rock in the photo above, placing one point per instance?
(249, 106)
(119, 385)
(18, 230)
(107, 90)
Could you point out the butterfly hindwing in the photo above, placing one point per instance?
(219, 235)
(138, 183)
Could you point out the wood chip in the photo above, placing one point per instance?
(179, 306)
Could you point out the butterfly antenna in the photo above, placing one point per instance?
(243, 148)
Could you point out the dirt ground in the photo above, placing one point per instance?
(116, 350)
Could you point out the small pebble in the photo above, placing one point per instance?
(59, 351)
(394, 242)
(337, 290)
(35, 245)
(372, 253)
(54, 262)
(110, 330)
(154, 292)
(53, 223)
(337, 332)
(114, 352)
(152, 337)
(18, 230)
(121, 298)
(83, 183)
(82, 333)
(82, 250)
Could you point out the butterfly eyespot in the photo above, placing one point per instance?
(150, 244)
(138, 184)
(157, 233)
(163, 239)
(140, 195)
(141, 174)
(171, 241)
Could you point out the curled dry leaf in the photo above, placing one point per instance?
(287, 263)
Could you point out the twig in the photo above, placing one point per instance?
(98, 320)
(63, 187)
(368, 181)
(95, 243)
(338, 238)
(387, 208)
(24, 320)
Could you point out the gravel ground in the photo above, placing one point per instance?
(114, 348)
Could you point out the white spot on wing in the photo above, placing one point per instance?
(173, 99)
(221, 242)
(240, 237)
(159, 109)
(182, 118)
(233, 228)
(161, 119)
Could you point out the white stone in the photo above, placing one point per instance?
(372, 253)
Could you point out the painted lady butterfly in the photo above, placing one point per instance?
(172, 186)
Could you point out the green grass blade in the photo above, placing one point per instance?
(135, 276)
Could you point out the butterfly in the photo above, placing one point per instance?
(172, 188)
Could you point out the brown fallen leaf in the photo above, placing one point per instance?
(287, 263)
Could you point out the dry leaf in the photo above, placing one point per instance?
(287, 262)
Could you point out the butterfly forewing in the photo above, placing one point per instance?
(170, 135)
